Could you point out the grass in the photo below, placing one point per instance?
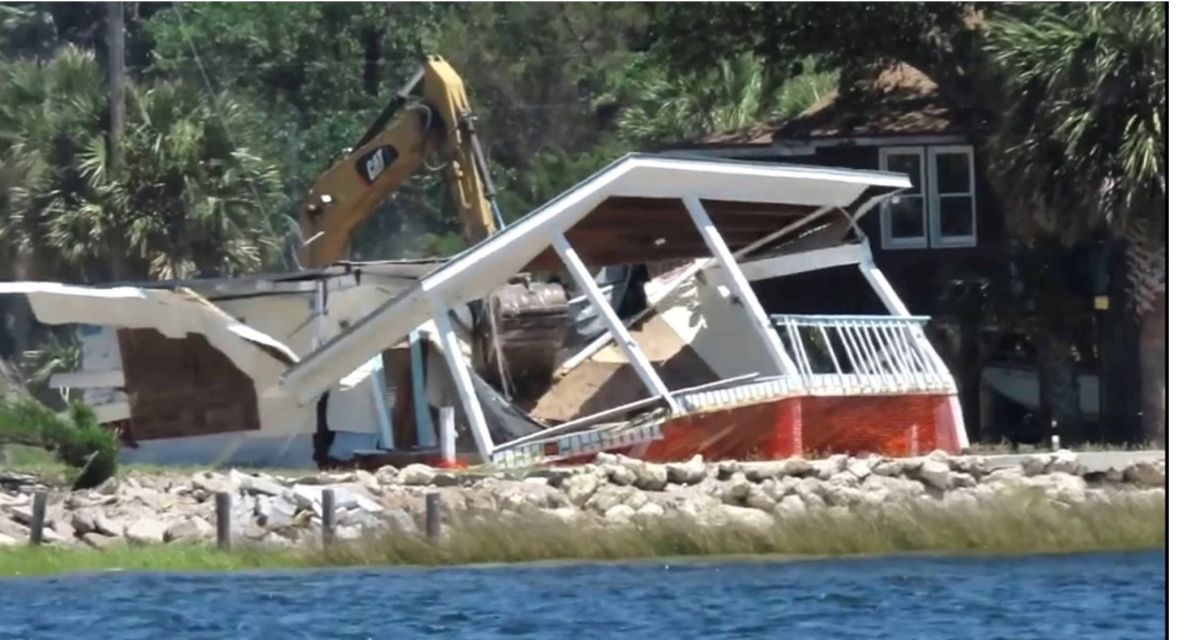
(1026, 523)
(1005, 448)
(48, 469)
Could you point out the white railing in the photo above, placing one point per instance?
(850, 355)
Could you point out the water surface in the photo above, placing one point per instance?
(1069, 597)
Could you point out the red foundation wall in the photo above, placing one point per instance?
(763, 431)
(813, 426)
(887, 425)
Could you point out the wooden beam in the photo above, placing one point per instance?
(739, 284)
(462, 381)
(633, 353)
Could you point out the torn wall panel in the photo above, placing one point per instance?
(173, 314)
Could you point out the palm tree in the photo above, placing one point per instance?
(1084, 138)
(47, 110)
(739, 92)
(191, 199)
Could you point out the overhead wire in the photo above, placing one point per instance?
(262, 210)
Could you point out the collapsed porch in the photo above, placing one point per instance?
(774, 219)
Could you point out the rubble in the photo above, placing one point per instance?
(614, 491)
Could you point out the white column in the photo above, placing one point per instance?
(882, 288)
(462, 381)
(737, 280)
(632, 352)
(447, 435)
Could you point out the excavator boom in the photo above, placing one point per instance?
(349, 191)
(520, 328)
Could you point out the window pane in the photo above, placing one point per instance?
(953, 173)
(908, 217)
(909, 163)
(956, 216)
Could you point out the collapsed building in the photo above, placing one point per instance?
(670, 353)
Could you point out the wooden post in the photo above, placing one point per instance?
(224, 518)
(447, 435)
(433, 515)
(38, 522)
(631, 350)
(741, 287)
(328, 513)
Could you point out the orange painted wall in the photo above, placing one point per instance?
(878, 424)
(813, 426)
(764, 431)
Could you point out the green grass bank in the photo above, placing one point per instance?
(1016, 525)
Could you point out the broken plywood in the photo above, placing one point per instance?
(607, 380)
(183, 387)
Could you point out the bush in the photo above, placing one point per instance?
(76, 438)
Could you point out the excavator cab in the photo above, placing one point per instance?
(518, 330)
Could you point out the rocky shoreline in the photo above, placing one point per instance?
(614, 491)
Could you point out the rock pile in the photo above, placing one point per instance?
(613, 491)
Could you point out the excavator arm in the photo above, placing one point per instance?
(438, 123)
(519, 329)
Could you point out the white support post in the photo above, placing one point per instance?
(882, 288)
(447, 435)
(462, 381)
(632, 352)
(741, 287)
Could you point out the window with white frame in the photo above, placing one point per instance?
(939, 210)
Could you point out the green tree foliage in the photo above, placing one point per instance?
(76, 438)
(1084, 133)
(665, 107)
(48, 114)
(934, 37)
(193, 196)
(317, 74)
(191, 200)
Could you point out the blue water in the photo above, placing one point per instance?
(1093, 597)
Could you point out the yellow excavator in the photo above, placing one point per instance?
(518, 330)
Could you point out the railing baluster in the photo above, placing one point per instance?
(855, 360)
(837, 363)
(903, 352)
(911, 369)
(883, 353)
(804, 363)
(888, 360)
(788, 324)
(864, 352)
